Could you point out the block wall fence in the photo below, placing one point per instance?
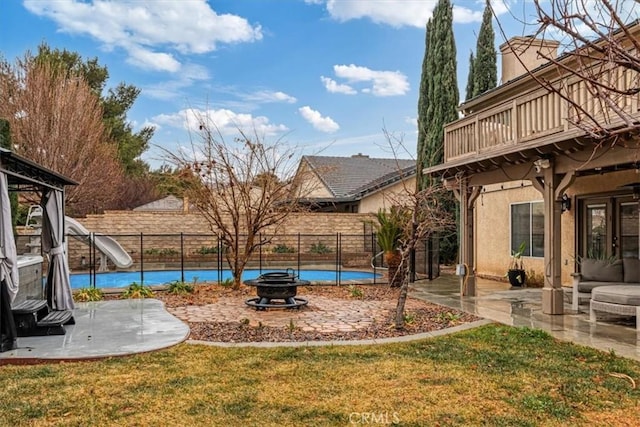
(161, 232)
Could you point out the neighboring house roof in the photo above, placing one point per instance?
(351, 178)
(169, 203)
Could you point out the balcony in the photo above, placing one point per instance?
(519, 116)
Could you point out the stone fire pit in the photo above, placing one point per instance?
(279, 285)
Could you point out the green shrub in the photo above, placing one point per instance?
(206, 250)
(227, 283)
(283, 249)
(88, 294)
(178, 287)
(161, 252)
(137, 290)
(320, 248)
(356, 292)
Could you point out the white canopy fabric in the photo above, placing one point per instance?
(8, 252)
(58, 288)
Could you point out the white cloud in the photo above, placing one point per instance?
(155, 61)
(400, 13)
(226, 121)
(268, 96)
(396, 13)
(323, 124)
(146, 29)
(383, 83)
(463, 15)
(335, 87)
(172, 89)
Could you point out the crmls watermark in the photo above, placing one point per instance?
(387, 418)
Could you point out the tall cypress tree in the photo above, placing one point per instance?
(439, 97)
(485, 70)
(438, 103)
(423, 98)
(471, 77)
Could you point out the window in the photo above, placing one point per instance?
(527, 225)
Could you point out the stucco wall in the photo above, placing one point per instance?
(384, 198)
(311, 186)
(492, 221)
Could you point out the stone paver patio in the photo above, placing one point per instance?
(322, 314)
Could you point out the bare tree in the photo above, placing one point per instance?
(242, 187)
(425, 216)
(56, 121)
(599, 69)
(420, 215)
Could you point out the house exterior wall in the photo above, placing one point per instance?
(520, 54)
(310, 184)
(493, 228)
(384, 198)
(313, 187)
(492, 246)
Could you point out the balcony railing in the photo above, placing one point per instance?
(535, 116)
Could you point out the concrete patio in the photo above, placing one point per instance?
(104, 329)
(523, 307)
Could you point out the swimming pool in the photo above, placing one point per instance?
(121, 279)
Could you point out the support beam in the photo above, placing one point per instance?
(552, 294)
(467, 197)
(564, 183)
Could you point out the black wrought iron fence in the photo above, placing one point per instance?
(160, 258)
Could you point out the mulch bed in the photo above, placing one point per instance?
(422, 317)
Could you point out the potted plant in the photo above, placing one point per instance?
(516, 273)
(388, 233)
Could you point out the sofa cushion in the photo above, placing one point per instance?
(596, 270)
(588, 286)
(631, 270)
(625, 294)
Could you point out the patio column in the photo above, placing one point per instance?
(467, 197)
(549, 185)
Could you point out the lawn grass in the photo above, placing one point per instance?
(493, 375)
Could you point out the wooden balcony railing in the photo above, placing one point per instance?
(535, 116)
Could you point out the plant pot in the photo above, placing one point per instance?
(517, 277)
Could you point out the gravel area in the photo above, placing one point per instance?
(420, 317)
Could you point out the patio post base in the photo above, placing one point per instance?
(552, 301)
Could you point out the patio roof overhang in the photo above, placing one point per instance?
(577, 155)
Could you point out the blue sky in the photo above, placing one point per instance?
(324, 75)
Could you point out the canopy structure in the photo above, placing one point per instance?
(20, 174)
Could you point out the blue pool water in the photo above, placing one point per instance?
(123, 279)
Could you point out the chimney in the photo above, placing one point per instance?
(360, 156)
(526, 48)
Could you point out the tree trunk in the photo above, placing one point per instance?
(402, 299)
(395, 270)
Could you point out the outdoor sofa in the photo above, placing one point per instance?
(599, 273)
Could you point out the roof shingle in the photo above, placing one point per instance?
(359, 174)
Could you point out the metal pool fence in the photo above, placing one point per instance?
(150, 252)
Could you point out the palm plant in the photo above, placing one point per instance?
(389, 229)
(515, 272)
